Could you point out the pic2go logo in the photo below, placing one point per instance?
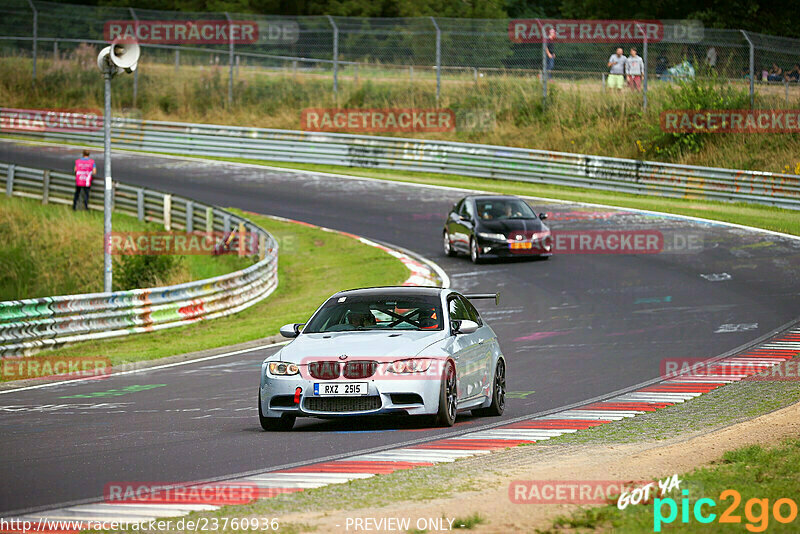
(756, 511)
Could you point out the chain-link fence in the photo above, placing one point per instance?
(437, 54)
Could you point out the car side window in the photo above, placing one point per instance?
(458, 311)
(467, 210)
(473, 313)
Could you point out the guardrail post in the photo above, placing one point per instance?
(35, 36)
(10, 180)
(167, 212)
(140, 204)
(209, 220)
(46, 188)
(189, 216)
(438, 60)
(226, 223)
(242, 237)
(335, 56)
(752, 69)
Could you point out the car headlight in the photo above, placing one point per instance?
(413, 365)
(283, 368)
(538, 236)
(496, 237)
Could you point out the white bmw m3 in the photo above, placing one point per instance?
(386, 350)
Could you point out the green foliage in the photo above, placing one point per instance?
(697, 94)
(144, 271)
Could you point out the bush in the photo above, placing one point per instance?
(133, 272)
(694, 95)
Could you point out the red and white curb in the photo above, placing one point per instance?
(763, 357)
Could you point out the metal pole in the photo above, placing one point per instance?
(438, 60)
(35, 35)
(177, 60)
(335, 55)
(230, 59)
(786, 91)
(545, 73)
(644, 73)
(752, 70)
(136, 72)
(55, 50)
(107, 180)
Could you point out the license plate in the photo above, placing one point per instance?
(341, 389)
(521, 245)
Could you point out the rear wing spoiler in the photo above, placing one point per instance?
(495, 296)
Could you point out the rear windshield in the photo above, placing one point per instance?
(377, 313)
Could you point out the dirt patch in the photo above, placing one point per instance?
(622, 462)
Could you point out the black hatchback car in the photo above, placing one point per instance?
(495, 226)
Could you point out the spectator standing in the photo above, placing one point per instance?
(634, 68)
(85, 170)
(550, 51)
(617, 73)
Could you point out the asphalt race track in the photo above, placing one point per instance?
(573, 327)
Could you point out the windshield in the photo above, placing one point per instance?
(340, 314)
(503, 208)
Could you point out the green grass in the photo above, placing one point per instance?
(755, 472)
(312, 265)
(52, 250)
(769, 218)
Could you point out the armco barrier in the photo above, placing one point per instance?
(27, 326)
(484, 161)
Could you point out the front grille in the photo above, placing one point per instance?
(360, 369)
(343, 404)
(325, 370)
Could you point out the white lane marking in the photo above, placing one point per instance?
(307, 477)
(143, 369)
(287, 484)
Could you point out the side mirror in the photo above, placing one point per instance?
(464, 327)
(291, 330)
(542, 216)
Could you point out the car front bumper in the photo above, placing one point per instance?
(503, 249)
(389, 395)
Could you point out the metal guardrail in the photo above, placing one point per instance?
(27, 326)
(446, 157)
